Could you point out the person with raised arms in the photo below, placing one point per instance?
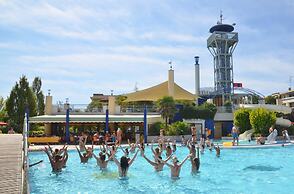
(175, 168)
(124, 164)
(57, 162)
(132, 146)
(85, 157)
(101, 160)
(157, 152)
(158, 163)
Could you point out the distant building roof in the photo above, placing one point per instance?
(156, 92)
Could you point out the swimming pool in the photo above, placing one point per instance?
(236, 171)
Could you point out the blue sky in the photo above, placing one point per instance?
(83, 47)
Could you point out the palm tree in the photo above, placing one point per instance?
(167, 108)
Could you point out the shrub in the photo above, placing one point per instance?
(154, 129)
(37, 131)
(178, 128)
(242, 120)
(262, 119)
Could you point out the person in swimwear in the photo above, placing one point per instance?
(101, 160)
(158, 163)
(175, 168)
(84, 157)
(235, 135)
(57, 162)
(124, 164)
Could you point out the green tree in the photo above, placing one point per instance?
(167, 108)
(3, 112)
(204, 111)
(242, 120)
(120, 100)
(36, 87)
(21, 96)
(270, 100)
(178, 128)
(261, 120)
(95, 104)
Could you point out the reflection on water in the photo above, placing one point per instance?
(262, 168)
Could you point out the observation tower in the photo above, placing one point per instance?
(221, 44)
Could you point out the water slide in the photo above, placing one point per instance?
(287, 136)
(272, 137)
(246, 135)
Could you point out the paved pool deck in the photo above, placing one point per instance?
(11, 163)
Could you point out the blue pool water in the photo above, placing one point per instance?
(268, 170)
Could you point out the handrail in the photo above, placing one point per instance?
(26, 188)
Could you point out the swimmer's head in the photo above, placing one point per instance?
(56, 150)
(84, 154)
(175, 160)
(157, 150)
(103, 157)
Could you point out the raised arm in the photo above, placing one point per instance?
(109, 158)
(50, 148)
(132, 160)
(168, 158)
(116, 161)
(79, 152)
(122, 149)
(185, 160)
(96, 157)
(149, 161)
(152, 148)
(49, 156)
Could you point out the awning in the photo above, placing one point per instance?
(157, 92)
(94, 118)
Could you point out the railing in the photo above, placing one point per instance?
(138, 109)
(77, 108)
(25, 182)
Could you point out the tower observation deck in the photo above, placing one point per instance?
(221, 44)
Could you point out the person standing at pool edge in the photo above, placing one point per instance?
(235, 135)
(119, 136)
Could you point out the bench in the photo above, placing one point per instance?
(44, 140)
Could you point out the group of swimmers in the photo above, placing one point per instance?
(58, 158)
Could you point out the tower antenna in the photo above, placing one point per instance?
(221, 16)
(170, 64)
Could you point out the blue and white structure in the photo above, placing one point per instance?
(221, 44)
